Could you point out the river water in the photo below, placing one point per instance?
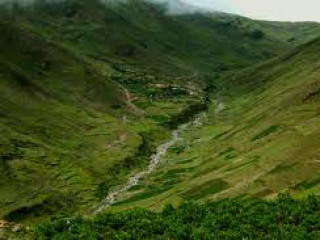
(155, 159)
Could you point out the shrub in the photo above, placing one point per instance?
(257, 34)
(284, 218)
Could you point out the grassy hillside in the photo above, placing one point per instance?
(89, 90)
(52, 103)
(260, 139)
(65, 138)
(142, 35)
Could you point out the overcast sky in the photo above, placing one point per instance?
(280, 10)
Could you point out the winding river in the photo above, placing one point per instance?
(154, 161)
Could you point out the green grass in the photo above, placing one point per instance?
(210, 187)
(309, 184)
(243, 165)
(266, 132)
(150, 192)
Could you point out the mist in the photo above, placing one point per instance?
(25, 2)
(181, 6)
(172, 6)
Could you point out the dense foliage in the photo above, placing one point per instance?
(284, 218)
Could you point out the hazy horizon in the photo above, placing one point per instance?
(273, 10)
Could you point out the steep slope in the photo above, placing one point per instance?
(143, 35)
(262, 141)
(51, 102)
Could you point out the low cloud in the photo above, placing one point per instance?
(26, 2)
(179, 6)
(173, 6)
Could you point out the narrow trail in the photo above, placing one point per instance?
(130, 106)
(155, 160)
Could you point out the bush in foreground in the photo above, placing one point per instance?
(284, 218)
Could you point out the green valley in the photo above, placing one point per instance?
(261, 143)
(92, 92)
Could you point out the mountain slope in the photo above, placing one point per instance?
(142, 35)
(50, 101)
(262, 141)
